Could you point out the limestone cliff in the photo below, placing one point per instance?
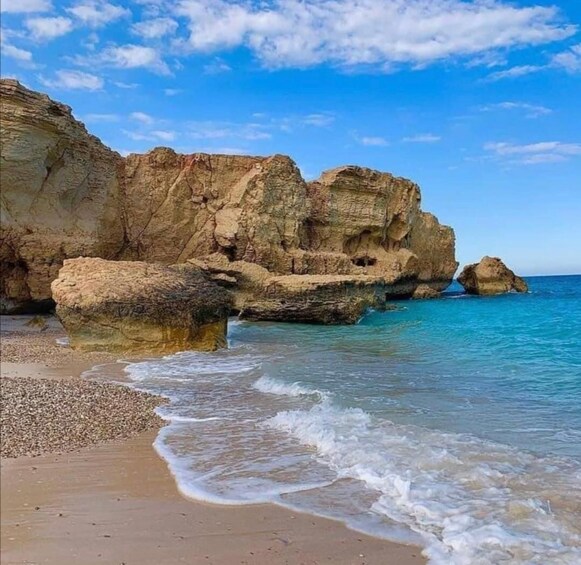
(64, 194)
(60, 195)
(183, 206)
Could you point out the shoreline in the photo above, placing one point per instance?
(117, 502)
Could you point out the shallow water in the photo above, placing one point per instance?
(455, 423)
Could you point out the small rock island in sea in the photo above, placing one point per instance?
(490, 276)
(222, 234)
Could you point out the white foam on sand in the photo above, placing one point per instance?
(238, 436)
(473, 502)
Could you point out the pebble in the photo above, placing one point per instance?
(46, 415)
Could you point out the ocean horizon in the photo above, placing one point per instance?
(449, 423)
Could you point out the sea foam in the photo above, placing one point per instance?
(471, 501)
(452, 424)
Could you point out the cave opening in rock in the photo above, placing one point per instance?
(230, 252)
(364, 261)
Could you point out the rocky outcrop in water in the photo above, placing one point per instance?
(490, 276)
(139, 307)
(66, 195)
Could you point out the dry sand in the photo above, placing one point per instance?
(116, 503)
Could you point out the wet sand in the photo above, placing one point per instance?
(116, 503)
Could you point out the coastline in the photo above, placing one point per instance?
(116, 502)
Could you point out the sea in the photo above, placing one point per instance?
(454, 424)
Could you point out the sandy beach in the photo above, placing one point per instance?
(116, 502)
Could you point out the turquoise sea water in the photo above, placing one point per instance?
(454, 423)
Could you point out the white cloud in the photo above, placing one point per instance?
(422, 138)
(96, 14)
(125, 85)
(155, 28)
(221, 130)
(91, 41)
(127, 57)
(136, 136)
(73, 80)
(13, 52)
(288, 124)
(25, 6)
(172, 91)
(531, 110)
(45, 29)
(300, 33)
(373, 141)
(164, 135)
(110, 118)
(216, 67)
(142, 117)
(318, 120)
(157, 135)
(518, 71)
(534, 153)
(569, 60)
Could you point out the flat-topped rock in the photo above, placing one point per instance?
(139, 307)
(490, 276)
(318, 299)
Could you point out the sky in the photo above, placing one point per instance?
(478, 101)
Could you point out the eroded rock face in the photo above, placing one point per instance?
(490, 276)
(318, 299)
(367, 222)
(60, 195)
(66, 195)
(184, 206)
(132, 306)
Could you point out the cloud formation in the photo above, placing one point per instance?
(96, 14)
(154, 28)
(45, 29)
(9, 50)
(372, 141)
(302, 33)
(25, 6)
(129, 56)
(535, 153)
(422, 138)
(530, 110)
(73, 80)
(568, 60)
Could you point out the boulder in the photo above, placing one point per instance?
(490, 276)
(139, 307)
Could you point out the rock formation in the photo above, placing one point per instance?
(490, 276)
(65, 195)
(139, 307)
(60, 195)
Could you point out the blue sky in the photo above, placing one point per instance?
(477, 101)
